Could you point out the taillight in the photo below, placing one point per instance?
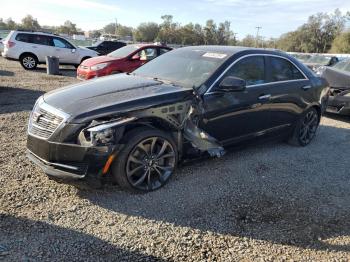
(10, 44)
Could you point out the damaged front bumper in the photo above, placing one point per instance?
(67, 161)
(339, 103)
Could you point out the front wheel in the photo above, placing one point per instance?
(305, 129)
(147, 161)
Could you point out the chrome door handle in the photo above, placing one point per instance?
(306, 87)
(264, 97)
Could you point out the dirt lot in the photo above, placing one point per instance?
(267, 202)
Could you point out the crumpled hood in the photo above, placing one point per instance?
(337, 78)
(112, 95)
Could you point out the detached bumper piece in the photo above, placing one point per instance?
(338, 103)
(60, 170)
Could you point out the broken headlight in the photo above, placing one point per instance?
(102, 133)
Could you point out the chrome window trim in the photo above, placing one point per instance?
(42, 104)
(269, 83)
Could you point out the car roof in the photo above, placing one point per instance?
(230, 50)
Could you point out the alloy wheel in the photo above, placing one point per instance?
(150, 164)
(29, 62)
(308, 127)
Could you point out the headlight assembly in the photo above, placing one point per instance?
(99, 66)
(102, 133)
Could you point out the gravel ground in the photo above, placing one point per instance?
(264, 202)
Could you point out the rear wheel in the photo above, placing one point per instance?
(305, 130)
(29, 61)
(147, 161)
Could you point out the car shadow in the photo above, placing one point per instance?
(6, 73)
(343, 118)
(63, 71)
(272, 192)
(14, 99)
(28, 240)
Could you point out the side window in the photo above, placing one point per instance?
(148, 54)
(23, 38)
(41, 40)
(283, 70)
(163, 50)
(61, 43)
(251, 69)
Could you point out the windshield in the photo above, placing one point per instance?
(343, 65)
(317, 59)
(124, 51)
(187, 67)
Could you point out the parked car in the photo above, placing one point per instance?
(123, 60)
(1, 45)
(31, 49)
(317, 61)
(338, 77)
(136, 127)
(106, 47)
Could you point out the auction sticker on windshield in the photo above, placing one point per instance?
(214, 55)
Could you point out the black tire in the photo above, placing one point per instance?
(29, 61)
(146, 162)
(305, 129)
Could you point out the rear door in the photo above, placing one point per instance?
(290, 91)
(234, 116)
(40, 45)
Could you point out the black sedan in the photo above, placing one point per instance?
(106, 47)
(137, 127)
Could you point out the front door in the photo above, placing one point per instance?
(234, 116)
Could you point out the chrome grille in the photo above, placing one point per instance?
(44, 120)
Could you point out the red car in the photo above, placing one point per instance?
(123, 60)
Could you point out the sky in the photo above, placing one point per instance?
(274, 16)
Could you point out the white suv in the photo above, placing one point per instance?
(31, 49)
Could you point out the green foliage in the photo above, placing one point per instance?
(30, 23)
(146, 32)
(341, 43)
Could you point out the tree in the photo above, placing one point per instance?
(110, 29)
(30, 23)
(169, 31)
(248, 41)
(146, 32)
(341, 43)
(95, 34)
(210, 33)
(315, 36)
(3, 25)
(11, 25)
(68, 28)
(123, 31)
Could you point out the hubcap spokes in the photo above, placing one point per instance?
(29, 62)
(309, 127)
(150, 163)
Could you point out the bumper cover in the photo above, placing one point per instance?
(339, 105)
(67, 161)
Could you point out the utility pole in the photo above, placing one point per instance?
(234, 38)
(257, 35)
(116, 26)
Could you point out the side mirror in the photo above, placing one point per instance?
(74, 50)
(135, 57)
(232, 84)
